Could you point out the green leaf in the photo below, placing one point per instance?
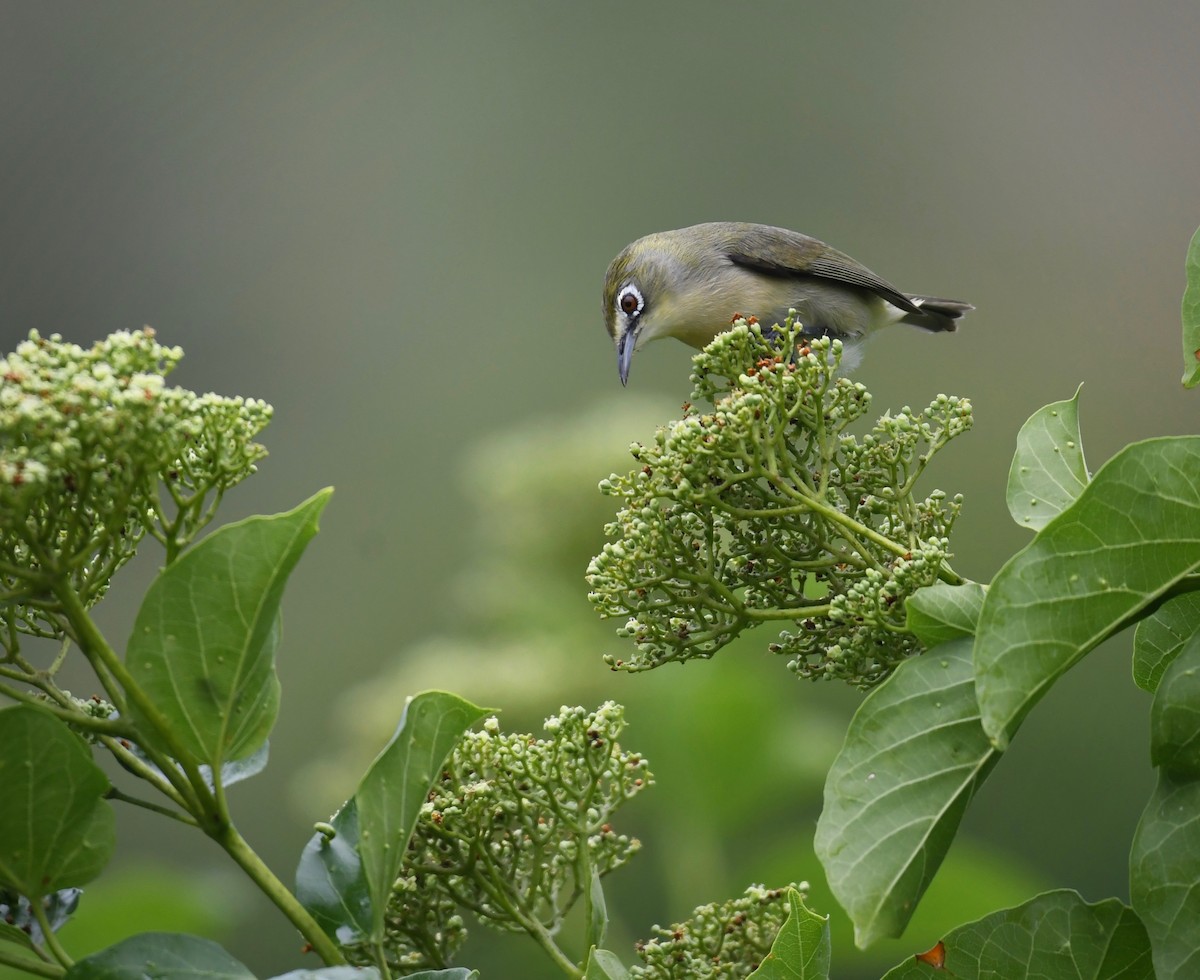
(941, 613)
(203, 645)
(160, 956)
(56, 830)
(801, 949)
(345, 881)
(331, 883)
(1130, 541)
(604, 965)
(1055, 935)
(1175, 715)
(1048, 472)
(1191, 316)
(1164, 864)
(340, 973)
(914, 756)
(392, 792)
(1161, 635)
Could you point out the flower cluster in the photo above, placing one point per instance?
(514, 832)
(765, 509)
(95, 452)
(722, 940)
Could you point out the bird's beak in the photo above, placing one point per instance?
(625, 353)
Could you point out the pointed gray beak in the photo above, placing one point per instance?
(625, 353)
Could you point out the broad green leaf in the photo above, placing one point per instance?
(203, 644)
(941, 613)
(913, 757)
(339, 973)
(1130, 541)
(1048, 472)
(345, 879)
(1164, 864)
(1055, 935)
(1175, 715)
(801, 949)
(454, 973)
(604, 965)
(1161, 635)
(160, 956)
(1191, 316)
(396, 785)
(331, 883)
(56, 830)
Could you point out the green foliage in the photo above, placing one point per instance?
(801, 950)
(348, 869)
(765, 509)
(914, 756)
(1057, 934)
(1048, 471)
(1161, 635)
(1164, 865)
(1131, 540)
(160, 954)
(56, 831)
(719, 940)
(212, 678)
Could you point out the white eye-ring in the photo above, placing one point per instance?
(629, 300)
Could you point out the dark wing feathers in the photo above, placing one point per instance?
(779, 252)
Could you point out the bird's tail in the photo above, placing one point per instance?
(937, 314)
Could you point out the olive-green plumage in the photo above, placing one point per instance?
(689, 283)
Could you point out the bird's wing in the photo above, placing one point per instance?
(788, 253)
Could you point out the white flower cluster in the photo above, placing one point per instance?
(95, 451)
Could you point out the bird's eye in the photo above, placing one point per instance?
(630, 300)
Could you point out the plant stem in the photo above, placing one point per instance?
(51, 940)
(165, 811)
(104, 660)
(248, 860)
(26, 965)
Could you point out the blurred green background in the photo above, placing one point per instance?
(391, 220)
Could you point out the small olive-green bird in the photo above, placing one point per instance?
(690, 283)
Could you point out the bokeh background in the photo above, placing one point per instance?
(391, 220)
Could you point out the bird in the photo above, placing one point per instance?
(691, 283)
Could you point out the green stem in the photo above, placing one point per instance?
(134, 765)
(26, 965)
(165, 811)
(104, 660)
(245, 857)
(52, 943)
(209, 812)
(835, 516)
(798, 612)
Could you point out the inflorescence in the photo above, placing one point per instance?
(95, 452)
(513, 833)
(765, 509)
(722, 940)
